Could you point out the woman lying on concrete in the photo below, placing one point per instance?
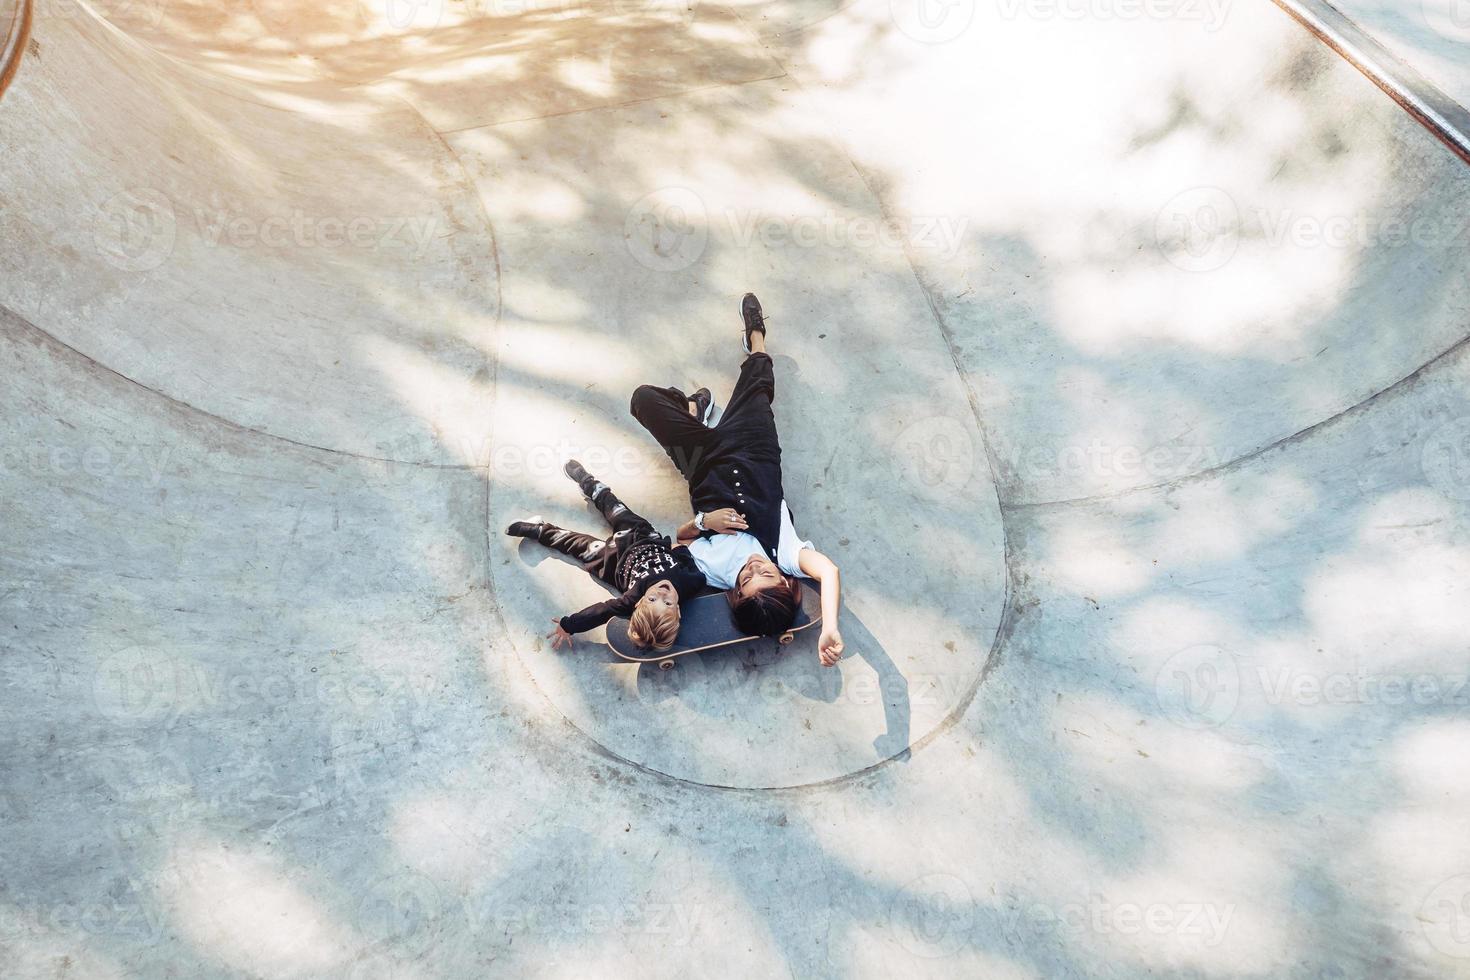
(742, 537)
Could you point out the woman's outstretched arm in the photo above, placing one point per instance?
(816, 565)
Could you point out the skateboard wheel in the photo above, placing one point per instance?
(665, 665)
(787, 637)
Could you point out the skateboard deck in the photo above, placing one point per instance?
(705, 624)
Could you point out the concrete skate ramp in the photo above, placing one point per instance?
(1120, 366)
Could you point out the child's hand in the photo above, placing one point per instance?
(829, 647)
(559, 636)
(726, 520)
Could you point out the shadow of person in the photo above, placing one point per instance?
(893, 686)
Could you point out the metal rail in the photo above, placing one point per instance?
(1436, 111)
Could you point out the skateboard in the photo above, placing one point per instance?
(705, 625)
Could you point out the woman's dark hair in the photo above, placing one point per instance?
(769, 612)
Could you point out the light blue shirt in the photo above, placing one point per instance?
(721, 557)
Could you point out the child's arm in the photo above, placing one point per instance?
(687, 533)
(590, 618)
(816, 565)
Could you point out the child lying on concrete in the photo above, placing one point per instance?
(653, 576)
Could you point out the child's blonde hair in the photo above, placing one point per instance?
(653, 624)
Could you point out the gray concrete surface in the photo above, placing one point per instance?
(1122, 369)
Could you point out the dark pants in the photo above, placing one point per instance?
(747, 427)
(599, 556)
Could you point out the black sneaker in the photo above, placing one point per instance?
(579, 475)
(704, 405)
(527, 529)
(575, 472)
(755, 320)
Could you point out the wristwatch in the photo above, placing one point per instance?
(699, 522)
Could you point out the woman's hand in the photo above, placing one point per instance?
(559, 636)
(829, 647)
(726, 520)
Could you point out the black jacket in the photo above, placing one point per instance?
(640, 562)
